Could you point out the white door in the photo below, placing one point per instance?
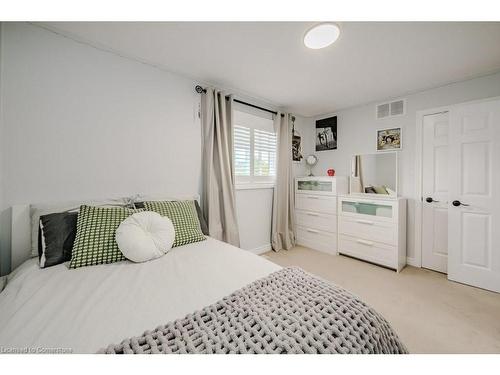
(435, 192)
(474, 195)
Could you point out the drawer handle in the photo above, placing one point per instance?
(363, 242)
(368, 222)
(312, 231)
(312, 197)
(311, 214)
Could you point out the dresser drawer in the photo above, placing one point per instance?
(381, 210)
(317, 240)
(316, 185)
(317, 203)
(373, 230)
(316, 220)
(371, 251)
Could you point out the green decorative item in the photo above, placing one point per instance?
(184, 218)
(95, 235)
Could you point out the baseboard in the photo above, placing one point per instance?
(412, 262)
(261, 249)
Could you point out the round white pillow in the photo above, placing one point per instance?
(144, 236)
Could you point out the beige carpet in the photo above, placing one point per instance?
(430, 313)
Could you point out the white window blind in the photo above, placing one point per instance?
(254, 146)
(242, 153)
(264, 153)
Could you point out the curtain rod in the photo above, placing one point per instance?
(200, 90)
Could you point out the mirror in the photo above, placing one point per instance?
(311, 161)
(374, 174)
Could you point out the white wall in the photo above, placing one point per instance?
(357, 126)
(254, 210)
(82, 123)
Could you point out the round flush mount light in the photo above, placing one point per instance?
(321, 36)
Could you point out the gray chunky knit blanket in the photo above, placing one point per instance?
(289, 311)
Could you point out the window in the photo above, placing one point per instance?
(254, 149)
(242, 152)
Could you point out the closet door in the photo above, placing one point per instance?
(474, 195)
(435, 192)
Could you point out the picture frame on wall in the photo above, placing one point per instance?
(390, 139)
(326, 134)
(297, 154)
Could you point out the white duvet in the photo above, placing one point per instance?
(88, 308)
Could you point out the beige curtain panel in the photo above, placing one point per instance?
(283, 230)
(218, 193)
(356, 179)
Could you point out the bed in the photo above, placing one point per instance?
(91, 309)
(88, 308)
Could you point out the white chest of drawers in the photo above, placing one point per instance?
(373, 229)
(316, 211)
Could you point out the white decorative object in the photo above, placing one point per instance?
(316, 211)
(373, 229)
(311, 161)
(144, 236)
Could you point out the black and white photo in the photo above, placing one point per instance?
(326, 134)
(297, 148)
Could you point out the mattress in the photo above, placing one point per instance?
(80, 311)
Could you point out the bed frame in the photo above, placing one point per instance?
(20, 235)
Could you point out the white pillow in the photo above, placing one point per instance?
(144, 236)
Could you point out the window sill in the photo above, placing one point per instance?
(255, 186)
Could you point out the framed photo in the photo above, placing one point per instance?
(297, 148)
(389, 139)
(326, 134)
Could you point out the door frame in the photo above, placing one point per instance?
(417, 261)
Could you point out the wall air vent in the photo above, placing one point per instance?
(391, 109)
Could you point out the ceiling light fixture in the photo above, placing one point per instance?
(321, 36)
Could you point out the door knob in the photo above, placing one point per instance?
(458, 203)
(430, 200)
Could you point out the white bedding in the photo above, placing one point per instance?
(88, 308)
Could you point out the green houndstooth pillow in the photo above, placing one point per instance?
(184, 217)
(95, 235)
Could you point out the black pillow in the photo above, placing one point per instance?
(201, 219)
(56, 236)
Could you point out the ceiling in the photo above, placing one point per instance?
(268, 61)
